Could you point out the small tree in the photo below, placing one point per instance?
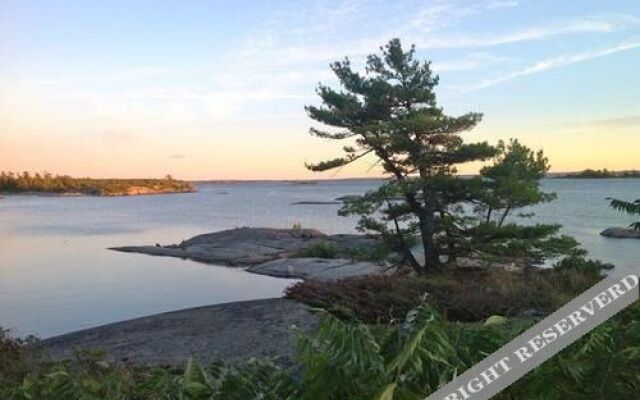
(630, 207)
(509, 185)
(391, 113)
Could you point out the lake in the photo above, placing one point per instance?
(57, 276)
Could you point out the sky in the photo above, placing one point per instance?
(216, 89)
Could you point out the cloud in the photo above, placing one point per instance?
(491, 4)
(556, 62)
(607, 123)
(621, 122)
(473, 61)
(176, 156)
(282, 58)
(285, 55)
(587, 24)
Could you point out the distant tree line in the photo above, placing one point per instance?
(25, 182)
(603, 173)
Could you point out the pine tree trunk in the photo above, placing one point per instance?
(427, 230)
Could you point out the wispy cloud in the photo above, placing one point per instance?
(502, 3)
(474, 61)
(586, 24)
(555, 62)
(627, 121)
(283, 57)
(621, 122)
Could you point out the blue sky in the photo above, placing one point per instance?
(208, 89)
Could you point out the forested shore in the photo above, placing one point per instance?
(46, 183)
(601, 174)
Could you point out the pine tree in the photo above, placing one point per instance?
(390, 113)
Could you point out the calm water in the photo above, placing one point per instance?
(56, 275)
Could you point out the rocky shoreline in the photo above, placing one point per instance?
(273, 252)
(234, 332)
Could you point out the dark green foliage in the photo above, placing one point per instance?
(377, 251)
(510, 184)
(16, 356)
(321, 249)
(512, 181)
(347, 360)
(532, 243)
(632, 208)
(458, 295)
(605, 364)
(580, 264)
(91, 378)
(60, 184)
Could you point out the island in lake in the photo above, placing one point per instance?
(46, 183)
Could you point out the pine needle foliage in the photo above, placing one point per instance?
(629, 207)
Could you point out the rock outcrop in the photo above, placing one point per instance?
(247, 247)
(621, 233)
(234, 332)
(316, 268)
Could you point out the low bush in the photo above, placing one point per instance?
(321, 249)
(459, 295)
(16, 356)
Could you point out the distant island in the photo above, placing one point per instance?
(600, 174)
(64, 185)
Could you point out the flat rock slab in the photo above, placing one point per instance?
(234, 332)
(621, 233)
(249, 246)
(316, 268)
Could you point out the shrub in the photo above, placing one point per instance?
(89, 377)
(16, 356)
(349, 360)
(320, 249)
(604, 364)
(459, 295)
